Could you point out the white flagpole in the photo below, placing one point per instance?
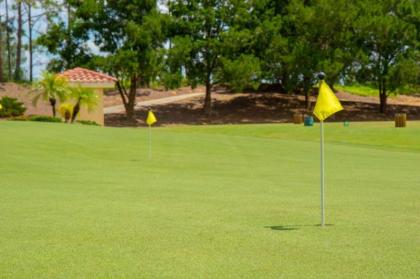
(322, 177)
(150, 142)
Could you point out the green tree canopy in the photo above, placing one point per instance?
(387, 35)
(130, 35)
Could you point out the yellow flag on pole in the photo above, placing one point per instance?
(327, 103)
(151, 118)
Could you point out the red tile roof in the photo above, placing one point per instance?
(85, 75)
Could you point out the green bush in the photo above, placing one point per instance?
(44, 118)
(87, 122)
(242, 73)
(171, 80)
(11, 107)
(66, 111)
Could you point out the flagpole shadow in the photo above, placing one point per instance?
(283, 228)
(293, 227)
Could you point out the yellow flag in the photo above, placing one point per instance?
(1, 106)
(151, 118)
(327, 103)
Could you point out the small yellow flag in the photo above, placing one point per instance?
(151, 118)
(327, 103)
(1, 106)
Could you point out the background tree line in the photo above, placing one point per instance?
(20, 21)
(243, 44)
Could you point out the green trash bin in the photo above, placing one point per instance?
(308, 121)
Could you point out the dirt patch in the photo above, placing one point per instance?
(113, 98)
(264, 108)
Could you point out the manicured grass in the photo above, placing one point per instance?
(238, 201)
(358, 89)
(367, 90)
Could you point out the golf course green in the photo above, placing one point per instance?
(230, 201)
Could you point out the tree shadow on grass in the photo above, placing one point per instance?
(293, 227)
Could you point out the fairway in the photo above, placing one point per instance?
(232, 201)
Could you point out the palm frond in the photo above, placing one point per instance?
(36, 99)
(87, 97)
(52, 86)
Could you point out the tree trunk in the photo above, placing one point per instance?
(8, 44)
(382, 95)
(31, 67)
(68, 63)
(307, 99)
(383, 102)
(207, 99)
(69, 22)
(132, 98)
(307, 88)
(1, 54)
(52, 103)
(76, 110)
(67, 116)
(123, 94)
(18, 74)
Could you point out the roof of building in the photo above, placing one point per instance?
(82, 75)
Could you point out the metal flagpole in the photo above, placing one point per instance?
(322, 177)
(150, 142)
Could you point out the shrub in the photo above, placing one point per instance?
(44, 118)
(11, 107)
(171, 80)
(87, 122)
(66, 111)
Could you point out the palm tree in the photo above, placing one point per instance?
(85, 97)
(51, 87)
